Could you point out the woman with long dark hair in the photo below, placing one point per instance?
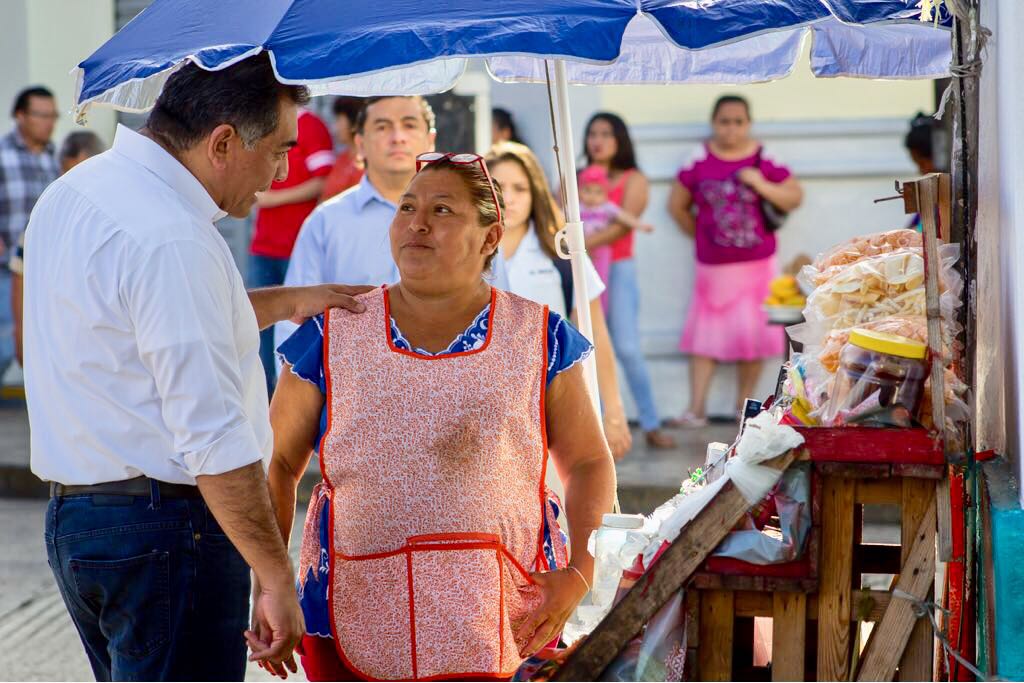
(536, 272)
(607, 144)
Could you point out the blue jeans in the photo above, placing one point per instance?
(265, 271)
(154, 587)
(624, 328)
(6, 321)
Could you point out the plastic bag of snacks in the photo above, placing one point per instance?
(886, 286)
(855, 250)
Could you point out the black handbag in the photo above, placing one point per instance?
(774, 217)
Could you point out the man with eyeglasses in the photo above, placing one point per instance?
(28, 164)
(347, 236)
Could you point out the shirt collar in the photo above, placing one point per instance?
(157, 160)
(366, 193)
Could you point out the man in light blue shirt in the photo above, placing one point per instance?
(345, 239)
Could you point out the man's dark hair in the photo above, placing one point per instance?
(425, 108)
(919, 137)
(21, 102)
(80, 142)
(246, 96)
(730, 99)
(349, 107)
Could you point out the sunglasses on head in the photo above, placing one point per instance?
(464, 159)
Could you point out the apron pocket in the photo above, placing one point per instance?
(459, 590)
(370, 608)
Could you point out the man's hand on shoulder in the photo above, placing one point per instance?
(310, 301)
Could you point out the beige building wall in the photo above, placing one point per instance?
(48, 39)
(800, 96)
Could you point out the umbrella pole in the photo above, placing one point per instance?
(573, 231)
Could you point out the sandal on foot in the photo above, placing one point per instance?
(687, 421)
(659, 440)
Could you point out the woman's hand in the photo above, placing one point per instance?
(561, 591)
(617, 434)
(752, 177)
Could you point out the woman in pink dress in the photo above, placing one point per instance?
(718, 201)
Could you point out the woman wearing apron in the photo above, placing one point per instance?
(430, 550)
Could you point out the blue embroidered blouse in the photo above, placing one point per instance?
(303, 352)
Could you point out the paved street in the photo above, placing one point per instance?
(34, 626)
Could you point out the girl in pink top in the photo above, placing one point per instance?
(717, 201)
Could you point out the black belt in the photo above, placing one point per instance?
(139, 486)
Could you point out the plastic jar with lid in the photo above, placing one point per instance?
(877, 371)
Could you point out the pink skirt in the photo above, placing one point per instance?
(726, 321)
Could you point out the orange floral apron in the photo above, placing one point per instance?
(434, 468)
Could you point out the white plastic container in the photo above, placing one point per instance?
(608, 565)
(606, 545)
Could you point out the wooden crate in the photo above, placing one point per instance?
(815, 627)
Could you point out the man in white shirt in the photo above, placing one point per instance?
(145, 391)
(347, 236)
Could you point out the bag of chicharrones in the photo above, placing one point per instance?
(889, 285)
(855, 250)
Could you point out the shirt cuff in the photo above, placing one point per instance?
(322, 160)
(234, 450)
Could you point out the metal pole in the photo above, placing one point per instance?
(573, 231)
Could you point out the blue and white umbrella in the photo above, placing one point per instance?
(393, 47)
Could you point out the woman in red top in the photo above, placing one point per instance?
(348, 169)
(607, 144)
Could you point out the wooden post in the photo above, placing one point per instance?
(890, 636)
(716, 629)
(789, 636)
(836, 579)
(918, 498)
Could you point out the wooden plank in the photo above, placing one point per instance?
(890, 636)
(879, 492)
(716, 624)
(710, 581)
(945, 200)
(865, 605)
(944, 519)
(789, 636)
(836, 579)
(754, 603)
(692, 598)
(693, 545)
(869, 605)
(928, 209)
(918, 471)
(918, 658)
(853, 470)
(864, 445)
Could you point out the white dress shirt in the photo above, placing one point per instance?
(141, 345)
(345, 241)
(532, 276)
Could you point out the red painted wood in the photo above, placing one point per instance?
(868, 445)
